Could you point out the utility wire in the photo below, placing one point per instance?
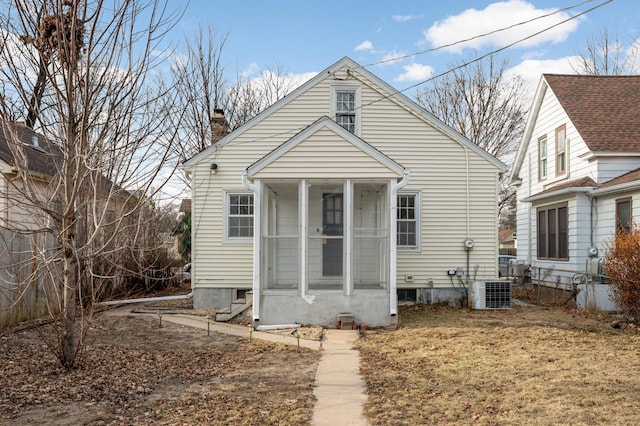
(493, 52)
(295, 131)
(455, 43)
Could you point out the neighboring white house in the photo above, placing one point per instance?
(577, 171)
(334, 198)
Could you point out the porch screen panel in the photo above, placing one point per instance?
(370, 236)
(280, 242)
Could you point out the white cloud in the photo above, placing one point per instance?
(405, 18)
(473, 22)
(415, 72)
(250, 70)
(392, 57)
(531, 70)
(365, 45)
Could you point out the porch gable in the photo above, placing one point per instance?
(325, 150)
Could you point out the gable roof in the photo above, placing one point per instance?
(355, 70)
(345, 135)
(40, 158)
(604, 109)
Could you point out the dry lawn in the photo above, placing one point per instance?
(135, 372)
(528, 365)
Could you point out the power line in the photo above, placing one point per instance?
(493, 52)
(295, 131)
(455, 43)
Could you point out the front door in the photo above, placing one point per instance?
(332, 230)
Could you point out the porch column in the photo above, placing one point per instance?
(303, 197)
(347, 236)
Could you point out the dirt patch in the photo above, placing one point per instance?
(521, 366)
(135, 372)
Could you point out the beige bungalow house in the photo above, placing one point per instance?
(335, 199)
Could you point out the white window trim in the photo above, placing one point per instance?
(225, 231)
(358, 105)
(418, 204)
(543, 174)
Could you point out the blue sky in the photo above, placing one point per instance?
(306, 37)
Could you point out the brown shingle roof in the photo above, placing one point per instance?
(40, 159)
(631, 176)
(604, 109)
(584, 182)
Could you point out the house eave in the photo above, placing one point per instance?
(627, 186)
(560, 192)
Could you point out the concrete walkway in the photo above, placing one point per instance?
(339, 389)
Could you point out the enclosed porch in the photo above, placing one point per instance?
(324, 248)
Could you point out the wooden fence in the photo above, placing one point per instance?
(26, 276)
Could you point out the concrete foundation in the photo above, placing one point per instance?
(369, 307)
(595, 296)
(212, 298)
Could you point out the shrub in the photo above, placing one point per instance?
(622, 266)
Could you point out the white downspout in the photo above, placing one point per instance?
(393, 236)
(257, 232)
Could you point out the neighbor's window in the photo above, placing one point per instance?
(623, 215)
(407, 221)
(561, 150)
(542, 154)
(553, 235)
(240, 215)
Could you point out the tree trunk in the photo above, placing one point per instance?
(70, 281)
(36, 97)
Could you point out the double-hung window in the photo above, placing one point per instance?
(623, 215)
(553, 235)
(407, 221)
(346, 109)
(561, 150)
(542, 158)
(345, 105)
(239, 216)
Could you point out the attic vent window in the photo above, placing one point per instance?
(34, 141)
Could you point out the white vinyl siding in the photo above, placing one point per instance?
(438, 169)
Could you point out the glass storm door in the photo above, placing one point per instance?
(332, 231)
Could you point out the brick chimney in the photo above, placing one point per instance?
(219, 125)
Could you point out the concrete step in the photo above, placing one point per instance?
(237, 307)
(346, 321)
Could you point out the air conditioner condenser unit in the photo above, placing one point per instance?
(492, 295)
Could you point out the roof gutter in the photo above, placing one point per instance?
(565, 191)
(257, 195)
(616, 188)
(393, 232)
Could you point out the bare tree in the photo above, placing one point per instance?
(252, 95)
(481, 103)
(605, 54)
(108, 130)
(202, 91)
